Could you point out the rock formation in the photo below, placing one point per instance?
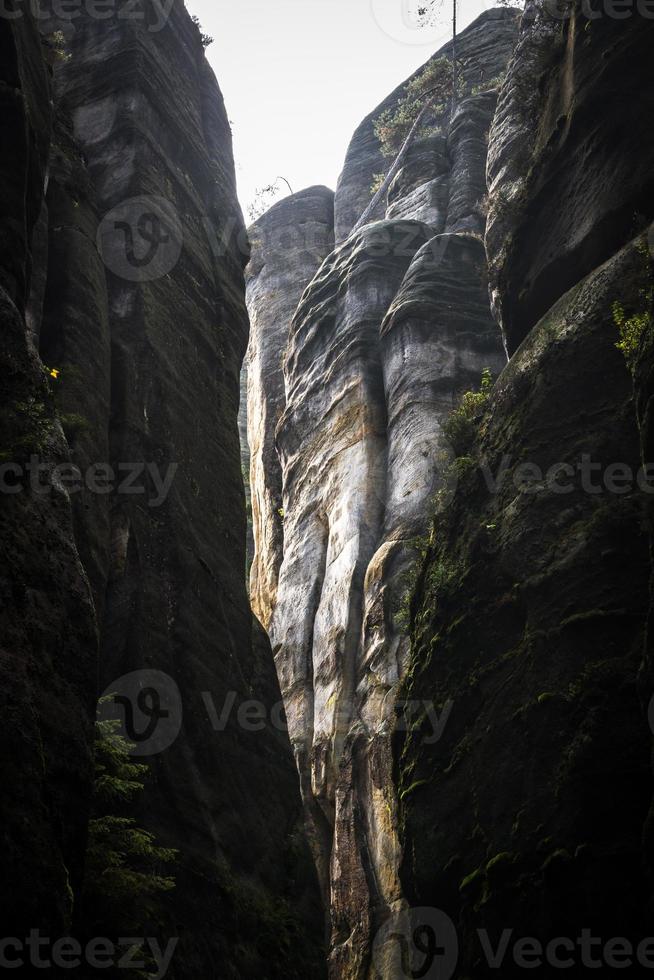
(127, 279)
(392, 328)
(451, 495)
(533, 811)
(245, 466)
(483, 51)
(288, 245)
(49, 633)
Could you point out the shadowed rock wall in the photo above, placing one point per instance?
(138, 303)
(49, 637)
(532, 812)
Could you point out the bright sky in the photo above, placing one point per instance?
(298, 76)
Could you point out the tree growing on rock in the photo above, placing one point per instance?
(439, 83)
(265, 197)
(126, 868)
(205, 38)
(399, 126)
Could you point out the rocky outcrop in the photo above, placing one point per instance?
(392, 329)
(379, 348)
(556, 115)
(245, 466)
(140, 313)
(48, 649)
(483, 51)
(288, 244)
(532, 811)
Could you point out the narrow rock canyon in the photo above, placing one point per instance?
(327, 545)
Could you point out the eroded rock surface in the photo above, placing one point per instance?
(245, 466)
(483, 50)
(533, 810)
(363, 453)
(49, 641)
(148, 357)
(288, 243)
(392, 329)
(565, 132)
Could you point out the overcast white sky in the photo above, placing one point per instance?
(298, 76)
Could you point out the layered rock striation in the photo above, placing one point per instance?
(49, 630)
(137, 304)
(483, 50)
(533, 811)
(288, 243)
(393, 327)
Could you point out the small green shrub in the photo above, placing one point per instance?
(486, 86)
(57, 44)
(443, 576)
(74, 424)
(434, 83)
(482, 206)
(631, 330)
(407, 582)
(463, 422)
(34, 422)
(377, 181)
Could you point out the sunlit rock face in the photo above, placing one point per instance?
(148, 351)
(245, 465)
(534, 809)
(393, 327)
(288, 245)
(382, 342)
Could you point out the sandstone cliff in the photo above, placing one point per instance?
(49, 633)
(392, 328)
(459, 603)
(97, 586)
(429, 182)
(533, 811)
(288, 245)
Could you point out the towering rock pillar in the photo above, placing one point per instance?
(392, 328)
(289, 243)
